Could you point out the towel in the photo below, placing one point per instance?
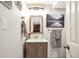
(56, 38)
(23, 28)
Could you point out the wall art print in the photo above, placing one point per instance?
(55, 21)
(18, 5)
(7, 4)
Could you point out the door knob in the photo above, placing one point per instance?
(66, 46)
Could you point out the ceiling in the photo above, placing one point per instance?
(46, 3)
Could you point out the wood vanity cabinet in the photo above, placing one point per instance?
(36, 50)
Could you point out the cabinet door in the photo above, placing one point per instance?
(31, 50)
(41, 50)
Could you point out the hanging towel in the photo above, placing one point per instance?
(56, 38)
(23, 28)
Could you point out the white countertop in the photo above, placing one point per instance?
(36, 40)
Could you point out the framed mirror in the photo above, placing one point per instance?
(36, 24)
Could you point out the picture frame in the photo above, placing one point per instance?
(18, 5)
(55, 21)
(36, 24)
(7, 4)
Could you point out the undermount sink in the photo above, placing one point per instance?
(36, 40)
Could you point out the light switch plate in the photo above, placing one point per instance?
(4, 25)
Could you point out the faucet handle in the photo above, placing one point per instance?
(29, 34)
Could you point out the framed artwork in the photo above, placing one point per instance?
(7, 4)
(36, 24)
(55, 21)
(18, 5)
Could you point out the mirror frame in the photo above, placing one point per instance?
(40, 18)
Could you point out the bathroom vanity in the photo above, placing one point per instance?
(36, 48)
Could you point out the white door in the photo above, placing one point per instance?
(72, 29)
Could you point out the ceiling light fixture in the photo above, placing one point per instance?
(36, 8)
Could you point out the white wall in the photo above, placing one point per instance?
(46, 33)
(10, 39)
(57, 52)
